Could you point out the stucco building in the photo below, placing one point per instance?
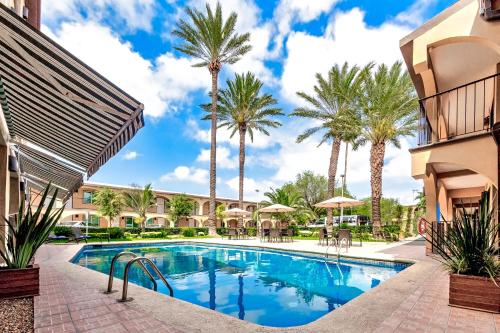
(80, 208)
(454, 61)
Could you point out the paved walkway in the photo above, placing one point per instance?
(71, 302)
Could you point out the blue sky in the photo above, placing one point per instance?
(130, 42)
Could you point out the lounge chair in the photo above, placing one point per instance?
(53, 237)
(78, 236)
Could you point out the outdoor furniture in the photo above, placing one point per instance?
(275, 235)
(345, 234)
(232, 233)
(52, 237)
(323, 236)
(78, 236)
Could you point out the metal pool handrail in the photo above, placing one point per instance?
(112, 269)
(155, 268)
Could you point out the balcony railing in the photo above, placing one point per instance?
(465, 110)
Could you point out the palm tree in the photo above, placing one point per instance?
(109, 203)
(140, 201)
(214, 41)
(334, 105)
(243, 109)
(388, 112)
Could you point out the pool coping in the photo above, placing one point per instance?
(364, 313)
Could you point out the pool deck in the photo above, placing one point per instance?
(414, 300)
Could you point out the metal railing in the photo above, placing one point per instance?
(153, 266)
(464, 110)
(112, 270)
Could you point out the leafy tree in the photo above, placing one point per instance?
(313, 189)
(334, 106)
(109, 203)
(244, 109)
(140, 201)
(219, 212)
(388, 112)
(213, 40)
(180, 206)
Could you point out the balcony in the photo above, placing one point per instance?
(463, 111)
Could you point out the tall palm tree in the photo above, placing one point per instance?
(334, 106)
(214, 41)
(244, 109)
(109, 203)
(388, 112)
(140, 201)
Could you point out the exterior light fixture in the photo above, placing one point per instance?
(26, 12)
(13, 164)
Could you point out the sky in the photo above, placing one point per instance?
(130, 42)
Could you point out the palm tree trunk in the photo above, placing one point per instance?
(377, 153)
(332, 171)
(214, 70)
(242, 130)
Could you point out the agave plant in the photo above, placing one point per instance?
(468, 246)
(29, 230)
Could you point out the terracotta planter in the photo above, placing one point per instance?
(474, 292)
(16, 283)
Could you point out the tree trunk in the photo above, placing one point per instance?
(214, 70)
(377, 153)
(332, 171)
(243, 132)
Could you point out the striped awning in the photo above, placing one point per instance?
(42, 168)
(56, 102)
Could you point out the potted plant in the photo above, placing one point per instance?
(469, 252)
(23, 235)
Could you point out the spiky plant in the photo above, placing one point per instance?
(214, 41)
(468, 247)
(29, 230)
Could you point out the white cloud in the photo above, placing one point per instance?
(130, 155)
(184, 173)
(252, 189)
(347, 38)
(134, 14)
(416, 13)
(224, 158)
(159, 86)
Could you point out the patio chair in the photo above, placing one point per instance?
(243, 233)
(286, 234)
(275, 235)
(323, 236)
(232, 233)
(78, 236)
(345, 234)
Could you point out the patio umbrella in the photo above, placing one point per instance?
(276, 208)
(339, 202)
(236, 212)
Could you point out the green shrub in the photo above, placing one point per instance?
(252, 232)
(221, 231)
(100, 235)
(188, 232)
(63, 231)
(130, 235)
(201, 233)
(115, 232)
(151, 234)
(295, 229)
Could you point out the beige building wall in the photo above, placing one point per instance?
(77, 209)
(454, 62)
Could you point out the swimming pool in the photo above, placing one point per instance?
(266, 287)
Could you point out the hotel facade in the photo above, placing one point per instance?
(454, 62)
(80, 207)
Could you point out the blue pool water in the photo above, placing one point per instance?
(272, 288)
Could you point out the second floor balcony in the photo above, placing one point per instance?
(466, 110)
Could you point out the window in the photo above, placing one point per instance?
(129, 222)
(87, 197)
(150, 221)
(93, 221)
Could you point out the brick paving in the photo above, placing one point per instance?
(66, 306)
